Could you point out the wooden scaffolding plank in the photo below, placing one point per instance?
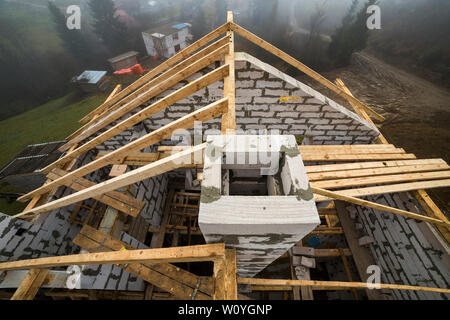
(318, 176)
(339, 284)
(145, 172)
(168, 277)
(371, 165)
(297, 64)
(30, 285)
(343, 151)
(161, 68)
(117, 200)
(147, 112)
(211, 111)
(393, 188)
(229, 85)
(356, 157)
(431, 209)
(370, 180)
(148, 94)
(377, 206)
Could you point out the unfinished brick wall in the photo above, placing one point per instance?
(259, 88)
(403, 248)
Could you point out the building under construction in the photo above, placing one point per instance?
(145, 204)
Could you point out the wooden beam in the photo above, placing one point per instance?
(178, 282)
(356, 157)
(30, 285)
(331, 284)
(297, 64)
(431, 209)
(145, 172)
(211, 111)
(371, 165)
(377, 206)
(149, 92)
(198, 253)
(229, 85)
(370, 180)
(147, 112)
(318, 176)
(401, 187)
(162, 67)
(230, 275)
(117, 200)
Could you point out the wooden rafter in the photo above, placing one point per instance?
(229, 85)
(300, 66)
(431, 209)
(151, 90)
(206, 113)
(338, 284)
(30, 285)
(123, 95)
(365, 203)
(198, 253)
(150, 170)
(156, 107)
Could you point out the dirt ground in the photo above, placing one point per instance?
(417, 112)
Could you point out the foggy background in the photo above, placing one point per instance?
(38, 60)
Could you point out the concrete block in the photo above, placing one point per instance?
(302, 251)
(365, 240)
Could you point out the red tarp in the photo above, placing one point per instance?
(136, 69)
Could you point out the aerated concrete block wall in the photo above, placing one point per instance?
(406, 250)
(261, 104)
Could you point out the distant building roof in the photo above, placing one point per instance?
(90, 76)
(32, 158)
(123, 56)
(168, 28)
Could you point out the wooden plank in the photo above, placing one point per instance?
(317, 176)
(370, 180)
(220, 281)
(211, 111)
(147, 112)
(431, 209)
(356, 157)
(198, 253)
(229, 85)
(351, 147)
(401, 187)
(168, 276)
(30, 285)
(230, 275)
(347, 271)
(117, 200)
(148, 94)
(297, 64)
(377, 206)
(332, 284)
(145, 172)
(371, 165)
(347, 151)
(122, 96)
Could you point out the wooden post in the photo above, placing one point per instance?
(229, 88)
(30, 285)
(230, 275)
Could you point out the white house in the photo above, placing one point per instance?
(166, 40)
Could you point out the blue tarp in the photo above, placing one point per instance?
(180, 26)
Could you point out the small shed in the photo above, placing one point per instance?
(125, 60)
(23, 171)
(92, 81)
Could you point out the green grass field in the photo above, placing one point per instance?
(52, 121)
